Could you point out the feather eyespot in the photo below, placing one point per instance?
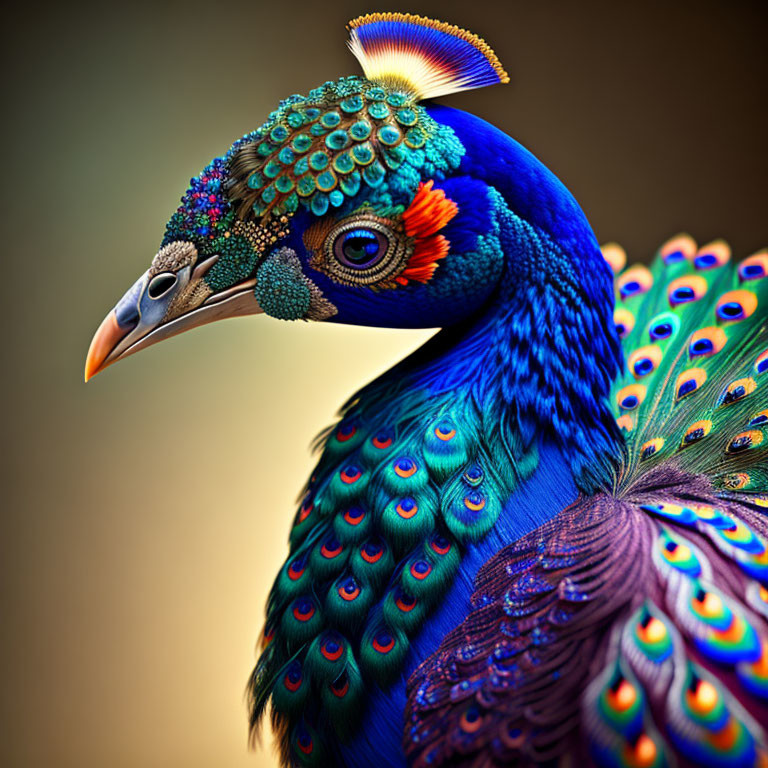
(645, 360)
(381, 441)
(635, 281)
(345, 432)
(340, 686)
(350, 474)
(445, 432)
(615, 255)
(420, 569)
(621, 695)
(624, 321)
(405, 467)
(471, 721)
(708, 605)
(680, 556)
(754, 268)
(689, 382)
(474, 476)
(404, 601)
(697, 431)
(354, 516)
(743, 537)
(759, 419)
(305, 510)
(304, 741)
(651, 448)
(686, 289)
(383, 642)
(474, 501)
(677, 249)
(701, 696)
(332, 648)
(293, 677)
(734, 306)
(716, 254)
(631, 397)
(407, 508)
(737, 390)
(303, 609)
(331, 548)
(736, 481)
(643, 752)
(761, 364)
(296, 569)
(651, 630)
(706, 342)
(349, 590)
(372, 552)
(440, 545)
(745, 440)
(663, 326)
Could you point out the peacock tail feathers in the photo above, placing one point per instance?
(626, 632)
(631, 629)
(695, 332)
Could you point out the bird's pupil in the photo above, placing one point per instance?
(360, 246)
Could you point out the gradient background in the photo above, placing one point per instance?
(145, 514)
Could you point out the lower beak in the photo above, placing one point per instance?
(112, 342)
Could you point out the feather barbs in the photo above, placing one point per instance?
(429, 211)
(421, 56)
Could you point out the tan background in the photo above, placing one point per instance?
(145, 514)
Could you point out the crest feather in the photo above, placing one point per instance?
(424, 57)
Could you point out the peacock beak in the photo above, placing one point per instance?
(163, 304)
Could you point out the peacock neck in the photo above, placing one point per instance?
(535, 365)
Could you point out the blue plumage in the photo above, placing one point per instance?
(516, 548)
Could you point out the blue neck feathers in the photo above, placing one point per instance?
(540, 357)
(529, 374)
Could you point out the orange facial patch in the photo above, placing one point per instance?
(427, 214)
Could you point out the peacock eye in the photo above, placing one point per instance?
(360, 248)
(363, 249)
(160, 284)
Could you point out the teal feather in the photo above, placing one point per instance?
(348, 602)
(471, 502)
(446, 447)
(352, 525)
(407, 520)
(382, 652)
(343, 699)
(372, 562)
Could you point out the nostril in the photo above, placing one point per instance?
(160, 284)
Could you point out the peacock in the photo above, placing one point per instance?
(541, 538)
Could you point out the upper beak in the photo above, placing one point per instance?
(140, 320)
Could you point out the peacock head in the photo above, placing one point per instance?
(345, 206)
(352, 204)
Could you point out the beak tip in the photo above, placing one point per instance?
(103, 343)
